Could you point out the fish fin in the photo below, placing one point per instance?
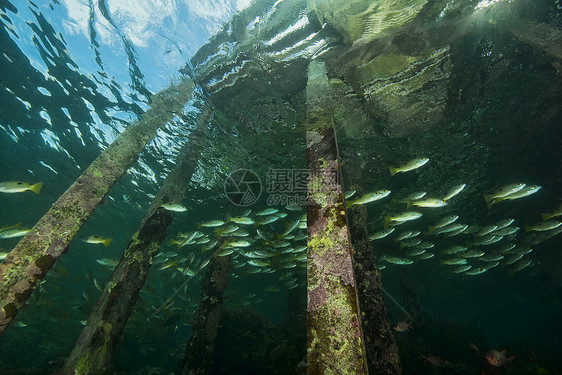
(393, 171)
(36, 188)
(546, 216)
(107, 241)
(490, 203)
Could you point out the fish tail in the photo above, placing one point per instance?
(228, 218)
(546, 217)
(387, 220)
(36, 188)
(487, 197)
(490, 203)
(107, 241)
(430, 229)
(408, 204)
(393, 171)
(527, 228)
(199, 225)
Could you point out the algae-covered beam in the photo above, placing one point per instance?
(28, 263)
(335, 340)
(100, 336)
(199, 351)
(380, 344)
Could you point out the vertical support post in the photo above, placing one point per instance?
(335, 339)
(199, 351)
(28, 263)
(380, 344)
(100, 336)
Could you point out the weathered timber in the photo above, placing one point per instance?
(380, 344)
(199, 351)
(335, 340)
(100, 336)
(28, 263)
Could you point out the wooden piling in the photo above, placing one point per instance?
(199, 352)
(380, 344)
(335, 340)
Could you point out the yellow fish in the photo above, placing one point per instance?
(13, 233)
(543, 226)
(525, 192)
(18, 187)
(401, 218)
(427, 202)
(109, 262)
(454, 191)
(175, 207)
(412, 164)
(504, 191)
(368, 198)
(95, 239)
(557, 212)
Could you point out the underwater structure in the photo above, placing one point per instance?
(325, 99)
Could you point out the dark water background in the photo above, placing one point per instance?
(501, 125)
